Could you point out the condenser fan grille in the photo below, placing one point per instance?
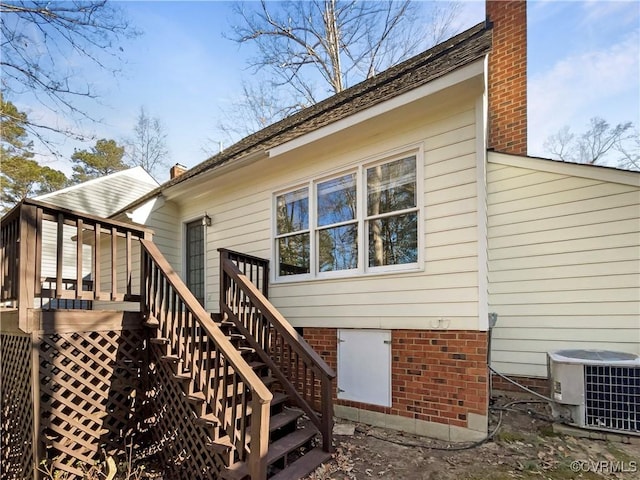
(612, 397)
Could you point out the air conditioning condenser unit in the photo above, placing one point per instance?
(599, 389)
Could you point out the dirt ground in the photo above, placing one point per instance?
(525, 446)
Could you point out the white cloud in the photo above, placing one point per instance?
(581, 86)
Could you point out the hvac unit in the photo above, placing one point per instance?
(599, 389)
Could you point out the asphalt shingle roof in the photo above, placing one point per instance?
(444, 58)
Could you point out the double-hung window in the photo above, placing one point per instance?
(362, 220)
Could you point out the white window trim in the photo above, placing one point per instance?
(362, 269)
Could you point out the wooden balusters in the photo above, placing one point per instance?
(54, 258)
(300, 370)
(218, 375)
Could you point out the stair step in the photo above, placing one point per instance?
(257, 364)
(208, 420)
(277, 450)
(151, 322)
(269, 380)
(221, 445)
(284, 418)
(304, 465)
(171, 358)
(235, 336)
(279, 398)
(196, 397)
(182, 377)
(160, 341)
(246, 350)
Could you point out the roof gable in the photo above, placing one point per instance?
(103, 196)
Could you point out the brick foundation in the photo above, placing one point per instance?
(537, 384)
(436, 376)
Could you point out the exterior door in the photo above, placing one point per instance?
(195, 259)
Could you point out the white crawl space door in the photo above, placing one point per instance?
(364, 366)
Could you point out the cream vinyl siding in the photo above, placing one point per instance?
(442, 293)
(167, 231)
(165, 224)
(564, 260)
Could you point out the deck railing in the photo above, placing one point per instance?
(299, 369)
(54, 258)
(216, 370)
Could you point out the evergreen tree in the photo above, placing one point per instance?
(20, 175)
(102, 159)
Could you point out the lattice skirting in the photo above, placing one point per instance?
(87, 399)
(179, 444)
(87, 391)
(16, 407)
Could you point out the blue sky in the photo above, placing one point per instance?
(583, 61)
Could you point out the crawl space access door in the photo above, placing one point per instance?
(364, 366)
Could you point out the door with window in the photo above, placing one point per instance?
(195, 250)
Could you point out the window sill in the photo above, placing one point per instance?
(394, 271)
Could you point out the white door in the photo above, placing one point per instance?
(364, 366)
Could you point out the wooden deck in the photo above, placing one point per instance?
(106, 337)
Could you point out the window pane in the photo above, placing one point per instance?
(393, 240)
(337, 200)
(293, 211)
(338, 248)
(391, 186)
(294, 254)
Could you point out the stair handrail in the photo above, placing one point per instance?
(261, 396)
(279, 323)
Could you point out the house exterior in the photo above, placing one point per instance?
(385, 224)
(398, 214)
(371, 207)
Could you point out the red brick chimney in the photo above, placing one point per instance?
(177, 170)
(508, 76)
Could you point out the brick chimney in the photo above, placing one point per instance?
(177, 170)
(508, 76)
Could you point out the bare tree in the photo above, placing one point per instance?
(599, 144)
(148, 147)
(560, 145)
(257, 107)
(37, 35)
(314, 48)
(629, 152)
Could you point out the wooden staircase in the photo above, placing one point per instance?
(254, 390)
(292, 453)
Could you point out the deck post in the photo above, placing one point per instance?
(259, 438)
(327, 413)
(27, 266)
